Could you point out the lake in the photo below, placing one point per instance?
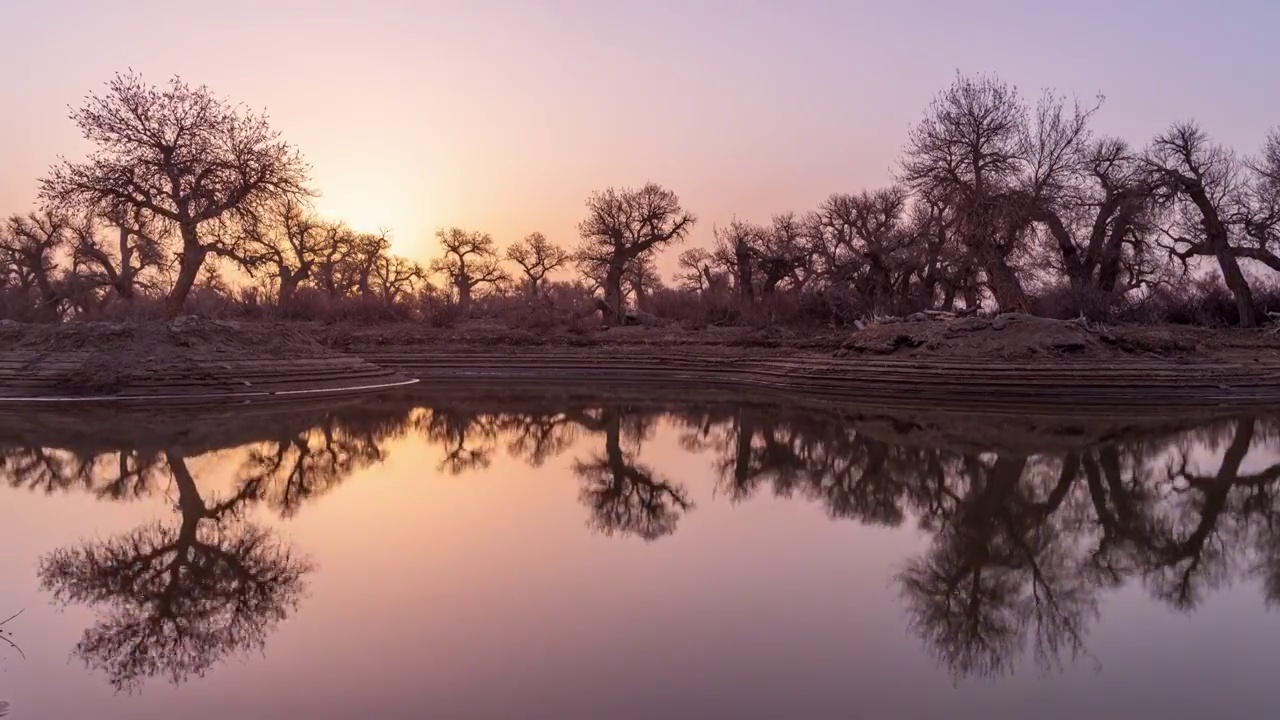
(548, 552)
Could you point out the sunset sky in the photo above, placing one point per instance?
(504, 116)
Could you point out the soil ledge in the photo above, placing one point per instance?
(188, 358)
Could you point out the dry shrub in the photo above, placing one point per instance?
(22, 306)
(1203, 301)
(692, 309)
(1064, 302)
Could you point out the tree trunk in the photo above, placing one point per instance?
(464, 295)
(288, 286)
(742, 258)
(48, 308)
(613, 291)
(1220, 243)
(1239, 288)
(124, 285)
(192, 260)
(124, 280)
(1005, 287)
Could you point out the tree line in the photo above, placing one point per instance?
(997, 203)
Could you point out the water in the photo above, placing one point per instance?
(553, 554)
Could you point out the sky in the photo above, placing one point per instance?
(504, 116)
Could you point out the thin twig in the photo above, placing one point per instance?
(13, 644)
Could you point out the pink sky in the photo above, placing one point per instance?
(504, 116)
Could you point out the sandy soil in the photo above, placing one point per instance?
(188, 356)
(1005, 337)
(1008, 359)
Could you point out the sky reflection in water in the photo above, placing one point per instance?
(466, 553)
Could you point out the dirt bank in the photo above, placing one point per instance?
(186, 357)
(1008, 360)
(1005, 337)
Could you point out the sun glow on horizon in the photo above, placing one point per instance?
(377, 195)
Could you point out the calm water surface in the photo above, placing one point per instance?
(482, 554)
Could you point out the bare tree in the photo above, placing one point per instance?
(1206, 188)
(781, 254)
(395, 277)
(1262, 216)
(470, 261)
(29, 244)
(346, 265)
(289, 240)
(1101, 224)
(623, 225)
(642, 280)
(182, 154)
(698, 271)
(861, 243)
(970, 152)
(736, 248)
(114, 246)
(537, 257)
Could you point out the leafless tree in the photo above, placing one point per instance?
(642, 280)
(182, 154)
(698, 272)
(394, 277)
(622, 226)
(29, 244)
(1262, 215)
(288, 240)
(1206, 199)
(861, 243)
(736, 249)
(1101, 221)
(537, 257)
(115, 245)
(970, 152)
(781, 254)
(470, 261)
(345, 267)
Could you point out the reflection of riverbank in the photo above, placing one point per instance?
(1030, 519)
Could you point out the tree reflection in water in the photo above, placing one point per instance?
(1030, 521)
(174, 598)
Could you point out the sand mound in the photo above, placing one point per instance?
(1013, 336)
(187, 356)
